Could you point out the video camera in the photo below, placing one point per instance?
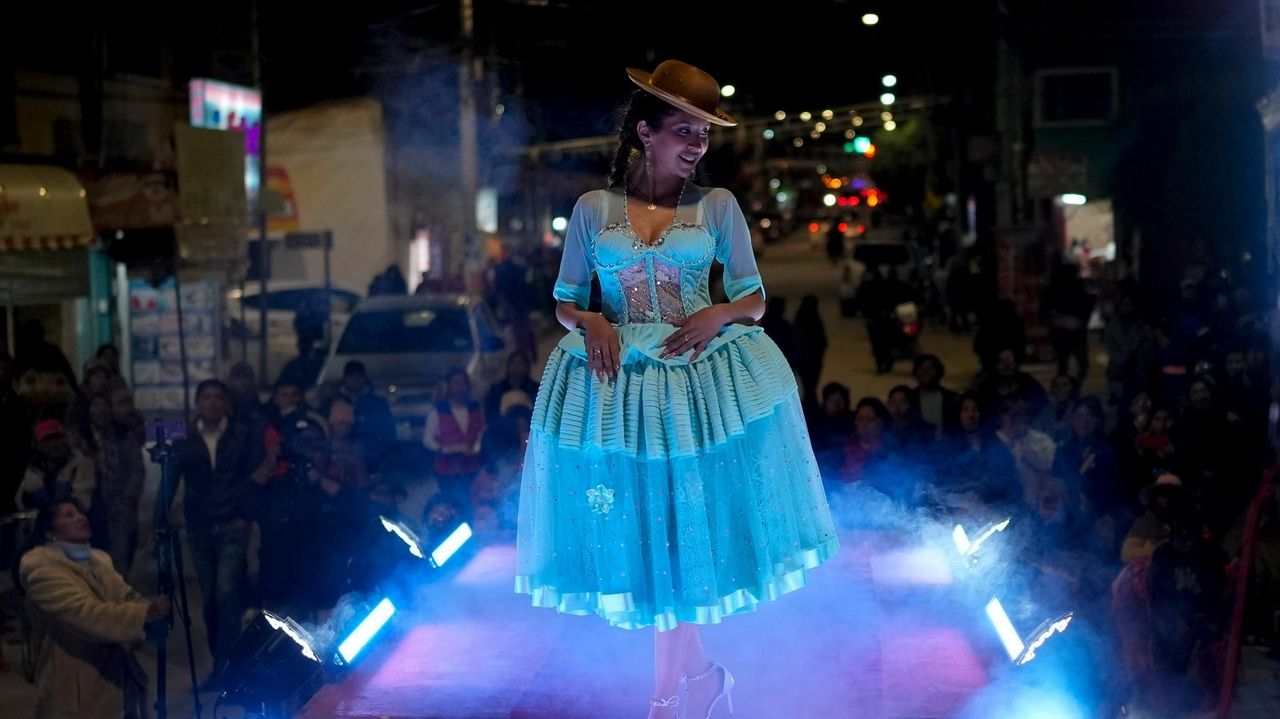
(301, 441)
(170, 430)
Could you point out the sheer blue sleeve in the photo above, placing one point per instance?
(574, 282)
(733, 246)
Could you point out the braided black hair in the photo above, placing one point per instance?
(640, 106)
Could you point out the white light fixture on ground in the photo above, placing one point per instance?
(886, 116)
(559, 224)
(970, 548)
(779, 115)
(890, 125)
(1072, 198)
(829, 200)
(887, 98)
(294, 632)
(806, 116)
(451, 545)
(271, 660)
(1042, 633)
(1013, 644)
(728, 91)
(827, 114)
(405, 534)
(1022, 651)
(366, 630)
(768, 134)
(870, 19)
(889, 80)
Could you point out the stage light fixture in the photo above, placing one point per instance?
(451, 545)
(365, 631)
(273, 658)
(1022, 651)
(970, 548)
(405, 534)
(1047, 629)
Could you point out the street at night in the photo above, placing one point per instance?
(558, 359)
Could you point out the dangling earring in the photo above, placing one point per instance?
(648, 168)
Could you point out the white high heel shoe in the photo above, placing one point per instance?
(726, 687)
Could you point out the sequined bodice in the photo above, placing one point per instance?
(663, 282)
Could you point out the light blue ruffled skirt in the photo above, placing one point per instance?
(681, 492)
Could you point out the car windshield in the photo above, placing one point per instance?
(430, 329)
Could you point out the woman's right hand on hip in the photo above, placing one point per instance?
(604, 352)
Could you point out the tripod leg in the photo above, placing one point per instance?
(162, 654)
(160, 533)
(162, 685)
(181, 599)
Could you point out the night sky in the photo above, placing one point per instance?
(569, 55)
(1191, 71)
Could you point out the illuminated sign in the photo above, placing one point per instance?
(222, 106)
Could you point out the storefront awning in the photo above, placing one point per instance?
(42, 208)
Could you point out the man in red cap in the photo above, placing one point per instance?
(56, 471)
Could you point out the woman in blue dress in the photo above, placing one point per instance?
(669, 480)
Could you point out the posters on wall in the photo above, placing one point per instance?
(157, 347)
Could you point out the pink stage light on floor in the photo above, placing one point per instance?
(922, 565)
(492, 565)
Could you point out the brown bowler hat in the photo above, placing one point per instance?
(686, 87)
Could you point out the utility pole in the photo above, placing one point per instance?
(463, 240)
(259, 207)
